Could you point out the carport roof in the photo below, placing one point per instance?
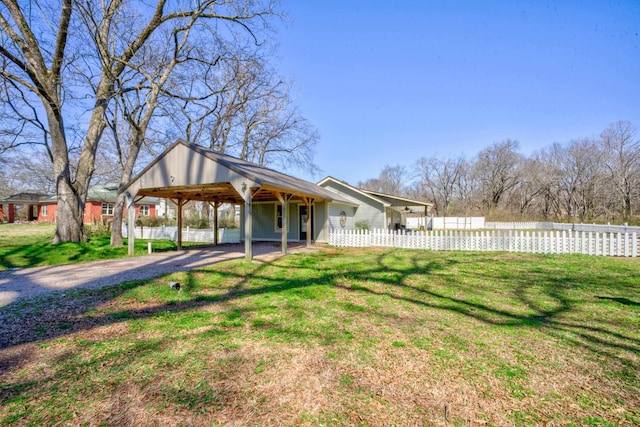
(193, 172)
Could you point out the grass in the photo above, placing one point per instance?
(336, 337)
(29, 245)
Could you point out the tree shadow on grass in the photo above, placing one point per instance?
(434, 282)
(423, 279)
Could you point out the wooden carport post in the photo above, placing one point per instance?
(308, 202)
(180, 204)
(131, 226)
(248, 223)
(216, 205)
(284, 200)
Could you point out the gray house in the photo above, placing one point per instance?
(373, 209)
(274, 206)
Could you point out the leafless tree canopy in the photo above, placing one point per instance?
(390, 181)
(71, 69)
(588, 179)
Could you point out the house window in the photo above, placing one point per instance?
(278, 225)
(144, 210)
(107, 209)
(44, 210)
(278, 219)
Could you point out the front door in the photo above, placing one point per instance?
(303, 222)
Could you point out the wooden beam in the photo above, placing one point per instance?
(309, 203)
(131, 228)
(284, 201)
(216, 205)
(248, 226)
(180, 203)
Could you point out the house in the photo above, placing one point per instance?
(273, 206)
(372, 210)
(34, 203)
(99, 206)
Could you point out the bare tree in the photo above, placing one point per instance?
(621, 151)
(439, 180)
(248, 112)
(532, 185)
(138, 92)
(578, 177)
(47, 63)
(34, 61)
(497, 172)
(392, 180)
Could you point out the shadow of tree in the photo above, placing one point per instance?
(550, 301)
(538, 300)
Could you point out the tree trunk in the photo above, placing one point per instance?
(127, 173)
(70, 212)
(116, 224)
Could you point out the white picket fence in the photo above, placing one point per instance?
(225, 235)
(574, 227)
(541, 242)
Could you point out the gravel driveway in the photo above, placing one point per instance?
(28, 282)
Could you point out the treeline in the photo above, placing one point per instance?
(594, 179)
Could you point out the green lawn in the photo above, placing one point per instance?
(29, 245)
(336, 337)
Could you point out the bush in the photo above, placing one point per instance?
(196, 221)
(363, 224)
(97, 230)
(146, 221)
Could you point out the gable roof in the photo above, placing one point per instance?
(396, 200)
(386, 200)
(329, 179)
(191, 171)
(28, 198)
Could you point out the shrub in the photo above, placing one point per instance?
(363, 224)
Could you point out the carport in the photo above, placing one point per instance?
(187, 172)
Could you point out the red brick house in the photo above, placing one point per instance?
(99, 207)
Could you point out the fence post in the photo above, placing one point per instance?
(611, 244)
(619, 245)
(626, 244)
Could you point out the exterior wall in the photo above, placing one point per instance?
(92, 212)
(368, 210)
(335, 214)
(184, 166)
(321, 222)
(264, 220)
(47, 213)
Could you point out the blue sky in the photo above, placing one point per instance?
(389, 82)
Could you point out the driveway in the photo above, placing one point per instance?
(28, 282)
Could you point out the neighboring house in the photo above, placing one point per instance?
(101, 200)
(371, 210)
(99, 206)
(12, 207)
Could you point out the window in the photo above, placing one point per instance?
(278, 219)
(144, 210)
(278, 225)
(107, 209)
(44, 210)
